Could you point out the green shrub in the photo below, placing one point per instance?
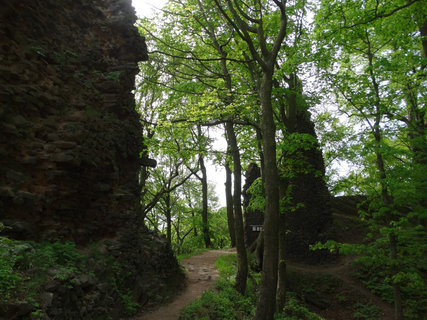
(226, 303)
(10, 280)
(373, 272)
(23, 266)
(366, 311)
(294, 310)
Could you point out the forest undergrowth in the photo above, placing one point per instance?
(350, 287)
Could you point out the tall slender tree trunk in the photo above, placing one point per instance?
(261, 153)
(392, 239)
(267, 293)
(194, 224)
(205, 222)
(242, 266)
(168, 213)
(229, 202)
(281, 289)
(386, 197)
(398, 310)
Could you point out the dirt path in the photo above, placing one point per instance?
(201, 276)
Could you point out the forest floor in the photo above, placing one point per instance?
(201, 276)
(331, 290)
(342, 295)
(346, 295)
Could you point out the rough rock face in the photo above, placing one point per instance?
(69, 134)
(349, 205)
(70, 140)
(146, 273)
(312, 221)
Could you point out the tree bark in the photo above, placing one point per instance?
(205, 222)
(168, 213)
(267, 293)
(386, 197)
(242, 266)
(229, 201)
(281, 289)
(398, 311)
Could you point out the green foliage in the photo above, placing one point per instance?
(211, 306)
(26, 266)
(131, 306)
(366, 311)
(377, 71)
(62, 255)
(10, 279)
(294, 158)
(227, 266)
(227, 303)
(373, 271)
(113, 75)
(293, 310)
(218, 225)
(23, 266)
(315, 288)
(257, 200)
(374, 268)
(370, 65)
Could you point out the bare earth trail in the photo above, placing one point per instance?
(201, 276)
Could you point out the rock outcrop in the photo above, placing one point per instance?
(70, 141)
(69, 135)
(310, 220)
(308, 208)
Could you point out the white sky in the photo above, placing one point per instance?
(147, 7)
(215, 175)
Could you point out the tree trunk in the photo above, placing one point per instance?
(267, 292)
(168, 213)
(194, 223)
(242, 268)
(398, 311)
(281, 290)
(205, 222)
(229, 201)
(261, 153)
(386, 197)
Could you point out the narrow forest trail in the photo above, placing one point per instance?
(201, 276)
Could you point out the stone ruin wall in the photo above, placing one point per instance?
(69, 133)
